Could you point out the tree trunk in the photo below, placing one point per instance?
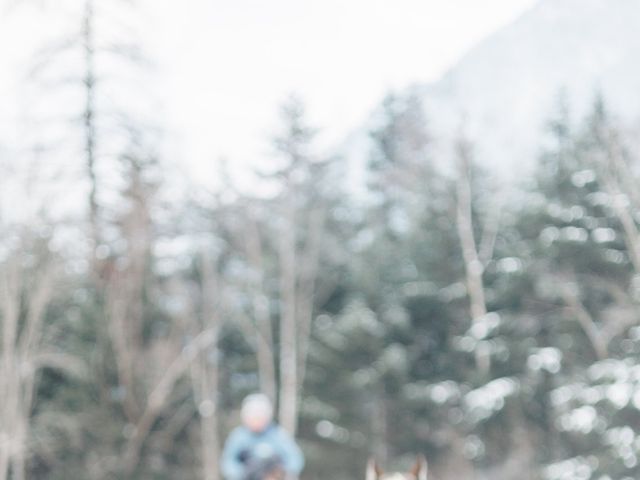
(594, 335)
(379, 427)
(10, 283)
(89, 81)
(264, 334)
(4, 456)
(208, 409)
(266, 365)
(157, 399)
(20, 307)
(473, 265)
(288, 398)
(309, 274)
(209, 374)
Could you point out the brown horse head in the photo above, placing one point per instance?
(417, 472)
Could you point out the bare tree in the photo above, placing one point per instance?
(264, 342)
(250, 239)
(89, 120)
(152, 369)
(145, 385)
(205, 371)
(98, 124)
(603, 326)
(280, 240)
(300, 232)
(476, 255)
(25, 294)
(612, 162)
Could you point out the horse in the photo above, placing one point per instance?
(418, 471)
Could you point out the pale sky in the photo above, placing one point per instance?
(229, 63)
(223, 66)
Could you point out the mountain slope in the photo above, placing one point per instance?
(505, 88)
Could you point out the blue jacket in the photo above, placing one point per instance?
(274, 439)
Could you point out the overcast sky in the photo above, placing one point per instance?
(230, 62)
(225, 65)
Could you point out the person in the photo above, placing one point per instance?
(259, 449)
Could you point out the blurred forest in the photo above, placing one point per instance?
(435, 313)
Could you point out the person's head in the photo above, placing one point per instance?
(257, 412)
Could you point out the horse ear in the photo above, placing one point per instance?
(373, 469)
(419, 470)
